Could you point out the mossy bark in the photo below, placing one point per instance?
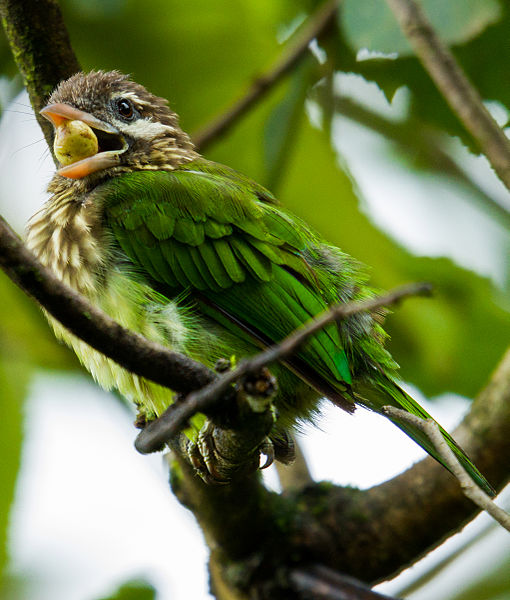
(41, 47)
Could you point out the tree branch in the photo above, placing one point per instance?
(128, 349)
(405, 534)
(369, 534)
(321, 583)
(431, 429)
(339, 527)
(40, 44)
(176, 416)
(463, 98)
(315, 27)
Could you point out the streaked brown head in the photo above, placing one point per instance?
(105, 122)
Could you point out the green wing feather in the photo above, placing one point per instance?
(259, 273)
(225, 238)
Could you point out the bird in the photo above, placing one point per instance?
(198, 257)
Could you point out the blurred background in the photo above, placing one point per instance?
(357, 142)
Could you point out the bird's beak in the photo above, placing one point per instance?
(84, 147)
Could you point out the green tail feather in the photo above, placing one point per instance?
(384, 392)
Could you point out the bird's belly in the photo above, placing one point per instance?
(137, 307)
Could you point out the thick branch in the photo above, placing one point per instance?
(321, 583)
(40, 44)
(315, 27)
(453, 84)
(369, 534)
(422, 506)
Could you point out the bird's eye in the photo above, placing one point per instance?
(125, 108)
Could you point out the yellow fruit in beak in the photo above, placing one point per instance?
(74, 141)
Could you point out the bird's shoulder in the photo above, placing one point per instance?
(215, 233)
(203, 226)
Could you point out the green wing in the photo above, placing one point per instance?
(215, 232)
(209, 230)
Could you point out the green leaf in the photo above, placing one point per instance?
(371, 25)
(133, 590)
(25, 335)
(284, 121)
(449, 342)
(485, 44)
(13, 382)
(26, 342)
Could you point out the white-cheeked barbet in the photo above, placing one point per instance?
(195, 256)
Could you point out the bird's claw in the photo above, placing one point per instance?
(214, 468)
(267, 449)
(222, 453)
(205, 458)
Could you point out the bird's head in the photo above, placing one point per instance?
(107, 124)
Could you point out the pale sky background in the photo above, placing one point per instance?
(91, 513)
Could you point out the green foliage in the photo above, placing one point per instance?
(25, 336)
(493, 585)
(201, 55)
(13, 380)
(26, 344)
(478, 31)
(371, 25)
(133, 590)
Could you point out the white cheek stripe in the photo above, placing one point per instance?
(143, 128)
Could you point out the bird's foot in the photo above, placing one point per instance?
(229, 446)
(205, 458)
(216, 468)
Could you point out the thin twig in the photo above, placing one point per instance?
(130, 350)
(450, 79)
(469, 487)
(314, 28)
(322, 583)
(177, 415)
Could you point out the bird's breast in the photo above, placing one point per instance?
(68, 238)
